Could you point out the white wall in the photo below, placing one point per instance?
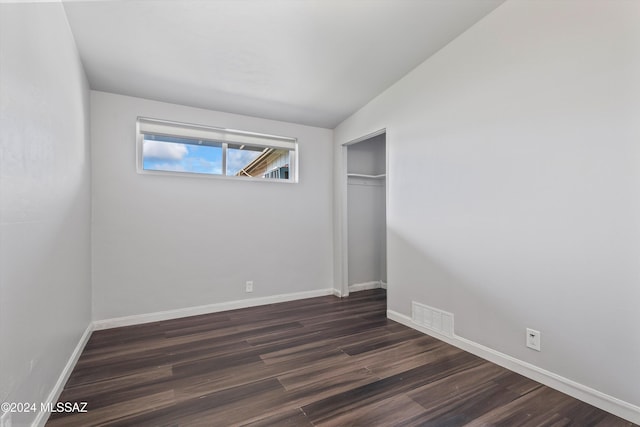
(514, 196)
(167, 242)
(366, 216)
(45, 265)
(368, 156)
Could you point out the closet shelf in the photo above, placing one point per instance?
(360, 175)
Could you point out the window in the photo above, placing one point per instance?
(180, 148)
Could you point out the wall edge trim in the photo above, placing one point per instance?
(376, 284)
(158, 316)
(53, 396)
(626, 410)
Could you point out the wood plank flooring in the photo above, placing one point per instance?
(317, 362)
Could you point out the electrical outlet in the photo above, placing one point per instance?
(249, 286)
(533, 339)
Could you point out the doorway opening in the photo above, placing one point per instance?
(364, 214)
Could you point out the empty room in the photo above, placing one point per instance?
(320, 213)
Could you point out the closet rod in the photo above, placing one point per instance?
(359, 175)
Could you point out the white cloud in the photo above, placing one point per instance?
(171, 167)
(168, 151)
(238, 159)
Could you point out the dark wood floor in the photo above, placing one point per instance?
(322, 361)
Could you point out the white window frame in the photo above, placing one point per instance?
(146, 125)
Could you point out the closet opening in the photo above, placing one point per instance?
(365, 219)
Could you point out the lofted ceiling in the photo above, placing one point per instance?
(312, 62)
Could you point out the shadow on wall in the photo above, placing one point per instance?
(488, 311)
(482, 302)
(431, 275)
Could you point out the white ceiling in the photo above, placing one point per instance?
(312, 62)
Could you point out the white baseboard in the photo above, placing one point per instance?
(365, 286)
(43, 416)
(337, 293)
(138, 319)
(383, 285)
(589, 395)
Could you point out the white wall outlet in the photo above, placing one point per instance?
(248, 287)
(533, 339)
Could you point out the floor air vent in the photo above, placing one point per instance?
(432, 318)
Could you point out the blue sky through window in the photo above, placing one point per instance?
(181, 156)
(238, 159)
(163, 153)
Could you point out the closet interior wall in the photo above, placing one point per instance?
(366, 213)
